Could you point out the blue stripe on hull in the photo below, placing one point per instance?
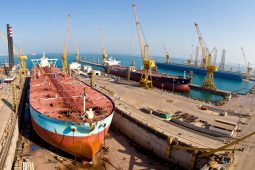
(64, 127)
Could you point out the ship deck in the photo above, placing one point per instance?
(60, 96)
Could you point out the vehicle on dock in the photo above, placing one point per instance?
(66, 112)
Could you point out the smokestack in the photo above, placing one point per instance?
(10, 46)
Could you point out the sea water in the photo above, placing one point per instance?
(126, 60)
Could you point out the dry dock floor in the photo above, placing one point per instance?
(131, 97)
(123, 155)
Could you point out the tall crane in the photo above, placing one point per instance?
(206, 62)
(67, 38)
(167, 54)
(222, 61)
(202, 46)
(19, 53)
(146, 80)
(103, 48)
(215, 56)
(248, 66)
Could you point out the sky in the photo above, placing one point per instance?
(39, 26)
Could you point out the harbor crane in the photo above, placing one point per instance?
(148, 64)
(222, 61)
(103, 48)
(167, 54)
(206, 62)
(67, 38)
(248, 66)
(205, 152)
(20, 54)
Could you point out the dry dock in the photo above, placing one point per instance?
(153, 132)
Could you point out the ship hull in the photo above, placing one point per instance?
(179, 84)
(83, 143)
(199, 70)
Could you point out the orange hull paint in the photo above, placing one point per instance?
(84, 147)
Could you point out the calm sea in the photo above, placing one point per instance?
(221, 83)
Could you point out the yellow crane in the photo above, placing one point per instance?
(205, 152)
(248, 66)
(103, 48)
(206, 62)
(146, 80)
(19, 53)
(67, 38)
(167, 54)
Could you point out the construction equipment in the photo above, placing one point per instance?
(222, 61)
(67, 38)
(206, 62)
(19, 53)
(14, 97)
(206, 152)
(103, 48)
(167, 54)
(148, 64)
(248, 66)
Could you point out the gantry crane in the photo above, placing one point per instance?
(20, 54)
(205, 152)
(248, 66)
(167, 54)
(206, 62)
(146, 80)
(103, 48)
(67, 38)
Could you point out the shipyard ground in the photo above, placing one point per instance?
(124, 153)
(121, 154)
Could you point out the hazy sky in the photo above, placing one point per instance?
(39, 25)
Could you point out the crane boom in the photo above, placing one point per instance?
(138, 29)
(202, 46)
(67, 38)
(226, 146)
(103, 48)
(146, 80)
(244, 56)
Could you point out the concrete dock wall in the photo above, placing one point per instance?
(149, 138)
(12, 148)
